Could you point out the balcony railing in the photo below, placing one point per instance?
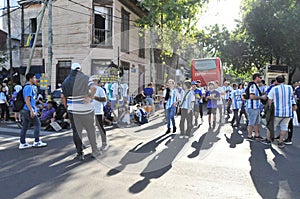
(28, 39)
(102, 37)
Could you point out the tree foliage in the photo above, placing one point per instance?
(173, 21)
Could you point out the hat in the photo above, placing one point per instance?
(93, 77)
(198, 81)
(18, 88)
(75, 66)
(194, 82)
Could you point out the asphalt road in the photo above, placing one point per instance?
(144, 162)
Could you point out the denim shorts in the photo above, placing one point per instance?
(149, 100)
(282, 123)
(253, 116)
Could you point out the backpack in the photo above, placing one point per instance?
(167, 94)
(19, 101)
(247, 93)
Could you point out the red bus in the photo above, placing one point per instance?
(206, 70)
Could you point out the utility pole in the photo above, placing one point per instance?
(50, 42)
(35, 38)
(9, 46)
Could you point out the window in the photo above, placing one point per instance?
(33, 25)
(142, 43)
(125, 32)
(63, 69)
(125, 66)
(102, 26)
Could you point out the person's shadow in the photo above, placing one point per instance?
(139, 153)
(206, 141)
(159, 165)
(235, 138)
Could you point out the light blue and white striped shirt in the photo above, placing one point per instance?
(263, 89)
(187, 103)
(172, 99)
(283, 98)
(227, 94)
(236, 98)
(250, 103)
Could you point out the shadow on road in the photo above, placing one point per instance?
(151, 127)
(139, 153)
(160, 164)
(23, 170)
(206, 141)
(279, 177)
(235, 138)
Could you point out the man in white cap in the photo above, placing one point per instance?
(77, 92)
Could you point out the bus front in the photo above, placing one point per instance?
(207, 70)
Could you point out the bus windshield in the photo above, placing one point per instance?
(202, 65)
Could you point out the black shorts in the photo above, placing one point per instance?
(211, 111)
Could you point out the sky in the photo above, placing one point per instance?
(221, 12)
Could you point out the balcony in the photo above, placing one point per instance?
(102, 37)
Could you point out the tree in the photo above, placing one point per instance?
(173, 22)
(274, 25)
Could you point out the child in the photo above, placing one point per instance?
(212, 97)
(141, 115)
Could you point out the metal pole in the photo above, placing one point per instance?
(9, 46)
(50, 42)
(35, 38)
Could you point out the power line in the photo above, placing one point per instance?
(96, 10)
(5, 8)
(82, 13)
(10, 12)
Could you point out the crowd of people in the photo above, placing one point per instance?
(85, 105)
(278, 104)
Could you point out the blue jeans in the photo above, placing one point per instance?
(170, 114)
(26, 122)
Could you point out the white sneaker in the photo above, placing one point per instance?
(96, 154)
(104, 147)
(39, 144)
(181, 136)
(24, 146)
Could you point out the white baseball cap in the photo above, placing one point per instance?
(75, 66)
(94, 77)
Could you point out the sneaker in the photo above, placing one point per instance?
(79, 157)
(181, 136)
(186, 137)
(250, 138)
(96, 154)
(281, 145)
(24, 146)
(266, 142)
(168, 131)
(39, 144)
(258, 137)
(174, 129)
(114, 122)
(287, 141)
(104, 147)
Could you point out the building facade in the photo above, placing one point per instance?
(94, 33)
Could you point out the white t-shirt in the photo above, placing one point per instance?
(222, 94)
(99, 105)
